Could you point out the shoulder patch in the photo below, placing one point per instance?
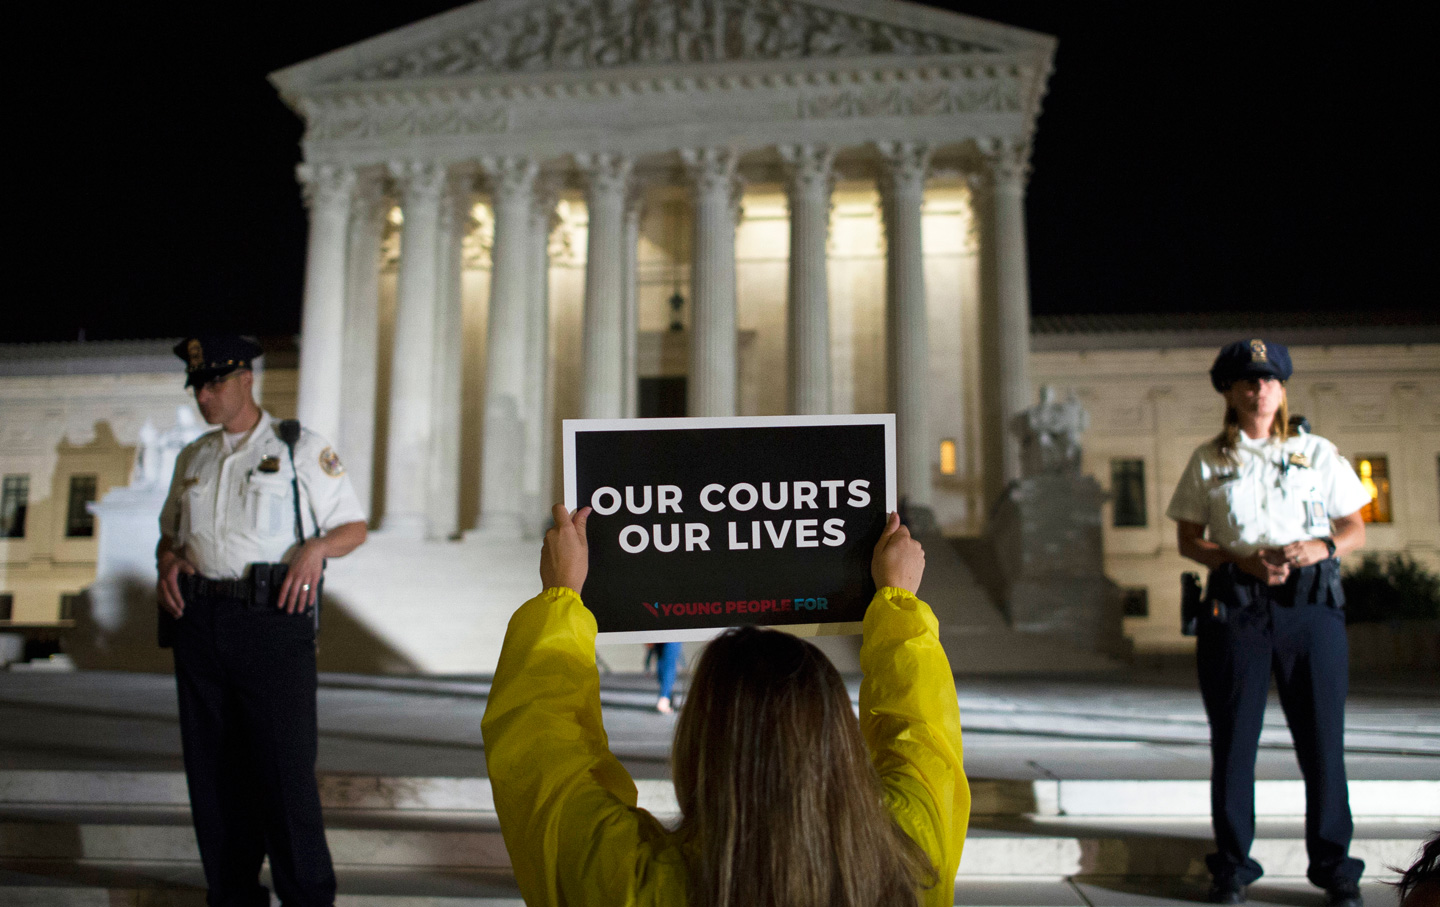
(330, 462)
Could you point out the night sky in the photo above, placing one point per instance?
(1190, 157)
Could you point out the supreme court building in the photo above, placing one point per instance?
(523, 212)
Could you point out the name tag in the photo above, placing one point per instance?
(1317, 520)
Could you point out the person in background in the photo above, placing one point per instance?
(667, 665)
(1270, 512)
(786, 799)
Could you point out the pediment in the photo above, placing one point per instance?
(501, 37)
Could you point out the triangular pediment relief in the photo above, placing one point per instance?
(498, 37)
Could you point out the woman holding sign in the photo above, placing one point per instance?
(786, 799)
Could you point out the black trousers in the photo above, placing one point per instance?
(246, 681)
(1304, 646)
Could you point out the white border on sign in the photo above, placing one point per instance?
(571, 426)
(699, 634)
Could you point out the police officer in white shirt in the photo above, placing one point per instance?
(240, 562)
(1270, 512)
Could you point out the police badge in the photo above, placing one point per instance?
(330, 462)
(1257, 351)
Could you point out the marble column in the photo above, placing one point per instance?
(713, 342)
(407, 465)
(634, 212)
(538, 402)
(328, 191)
(512, 183)
(361, 355)
(1009, 168)
(602, 392)
(811, 181)
(902, 191)
(449, 363)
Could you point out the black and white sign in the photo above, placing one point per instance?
(702, 524)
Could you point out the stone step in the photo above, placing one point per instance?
(1089, 892)
(1010, 848)
(990, 797)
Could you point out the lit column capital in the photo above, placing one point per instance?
(509, 176)
(811, 168)
(326, 186)
(605, 173)
(1008, 165)
(421, 181)
(713, 173)
(907, 164)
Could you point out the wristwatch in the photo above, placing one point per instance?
(1329, 546)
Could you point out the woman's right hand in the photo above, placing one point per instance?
(899, 560)
(1267, 565)
(565, 556)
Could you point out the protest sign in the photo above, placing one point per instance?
(703, 524)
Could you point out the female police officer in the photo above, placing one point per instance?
(1269, 513)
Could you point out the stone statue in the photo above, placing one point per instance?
(1050, 434)
(158, 449)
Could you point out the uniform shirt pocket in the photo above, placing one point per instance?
(197, 508)
(1228, 503)
(268, 508)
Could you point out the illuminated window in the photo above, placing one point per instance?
(14, 501)
(79, 521)
(947, 457)
(1127, 492)
(1375, 476)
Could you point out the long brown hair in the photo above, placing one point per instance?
(781, 806)
(1229, 438)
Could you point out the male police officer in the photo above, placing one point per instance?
(244, 535)
(1269, 511)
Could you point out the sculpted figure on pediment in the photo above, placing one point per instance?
(598, 34)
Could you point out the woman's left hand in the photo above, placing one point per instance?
(1305, 552)
(565, 557)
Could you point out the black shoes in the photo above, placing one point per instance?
(1230, 892)
(1343, 894)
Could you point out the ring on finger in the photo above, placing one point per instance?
(305, 588)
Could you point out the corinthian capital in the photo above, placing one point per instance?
(1009, 162)
(906, 166)
(811, 168)
(417, 180)
(711, 169)
(325, 185)
(509, 176)
(606, 173)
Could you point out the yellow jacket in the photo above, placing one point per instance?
(567, 807)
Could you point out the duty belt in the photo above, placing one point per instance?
(260, 586)
(205, 587)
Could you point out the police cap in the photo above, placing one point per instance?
(214, 356)
(1250, 359)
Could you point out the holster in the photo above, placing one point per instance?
(1191, 603)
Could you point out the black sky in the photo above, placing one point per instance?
(1190, 157)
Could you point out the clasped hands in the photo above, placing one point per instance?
(1273, 565)
(898, 561)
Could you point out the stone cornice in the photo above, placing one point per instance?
(363, 118)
